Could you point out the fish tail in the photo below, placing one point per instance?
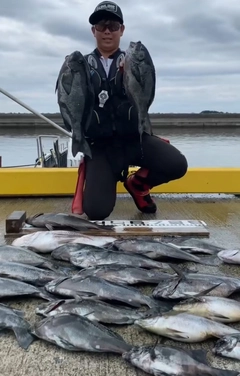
(81, 146)
(24, 338)
(158, 306)
(42, 293)
(147, 126)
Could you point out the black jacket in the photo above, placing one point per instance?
(117, 117)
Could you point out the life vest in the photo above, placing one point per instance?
(116, 115)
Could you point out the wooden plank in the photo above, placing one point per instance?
(136, 228)
(15, 221)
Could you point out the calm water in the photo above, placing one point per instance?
(203, 148)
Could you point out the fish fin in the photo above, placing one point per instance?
(42, 293)
(77, 298)
(24, 338)
(49, 227)
(178, 271)
(66, 344)
(19, 312)
(199, 355)
(176, 333)
(205, 292)
(82, 147)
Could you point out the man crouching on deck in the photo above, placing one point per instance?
(113, 134)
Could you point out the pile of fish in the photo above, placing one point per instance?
(91, 282)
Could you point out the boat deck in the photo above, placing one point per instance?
(221, 213)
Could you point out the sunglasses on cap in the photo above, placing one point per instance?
(110, 25)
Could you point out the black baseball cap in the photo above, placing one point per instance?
(106, 9)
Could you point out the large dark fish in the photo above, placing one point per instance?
(194, 245)
(172, 361)
(13, 319)
(65, 251)
(101, 289)
(86, 258)
(63, 221)
(186, 285)
(78, 333)
(21, 255)
(93, 309)
(26, 273)
(122, 274)
(76, 99)
(139, 79)
(228, 346)
(156, 250)
(12, 288)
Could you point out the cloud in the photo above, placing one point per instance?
(195, 47)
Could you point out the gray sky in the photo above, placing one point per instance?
(195, 46)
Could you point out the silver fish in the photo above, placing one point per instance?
(230, 256)
(94, 310)
(13, 319)
(195, 245)
(65, 251)
(228, 346)
(10, 287)
(212, 307)
(122, 274)
(85, 258)
(47, 241)
(53, 221)
(76, 100)
(139, 80)
(187, 285)
(172, 361)
(77, 333)
(184, 327)
(26, 273)
(98, 287)
(156, 250)
(21, 255)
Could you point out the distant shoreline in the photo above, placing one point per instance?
(158, 120)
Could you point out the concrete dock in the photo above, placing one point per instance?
(222, 216)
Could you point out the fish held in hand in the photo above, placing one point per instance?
(185, 327)
(171, 361)
(63, 221)
(228, 346)
(76, 100)
(139, 80)
(77, 333)
(13, 319)
(47, 241)
(212, 307)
